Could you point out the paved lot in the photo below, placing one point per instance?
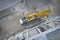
(10, 24)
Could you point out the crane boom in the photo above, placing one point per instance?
(32, 16)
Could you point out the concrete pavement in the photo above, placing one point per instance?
(10, 24)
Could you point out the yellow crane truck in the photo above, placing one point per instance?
(32, 16)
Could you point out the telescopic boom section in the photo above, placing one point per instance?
(43, 14)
